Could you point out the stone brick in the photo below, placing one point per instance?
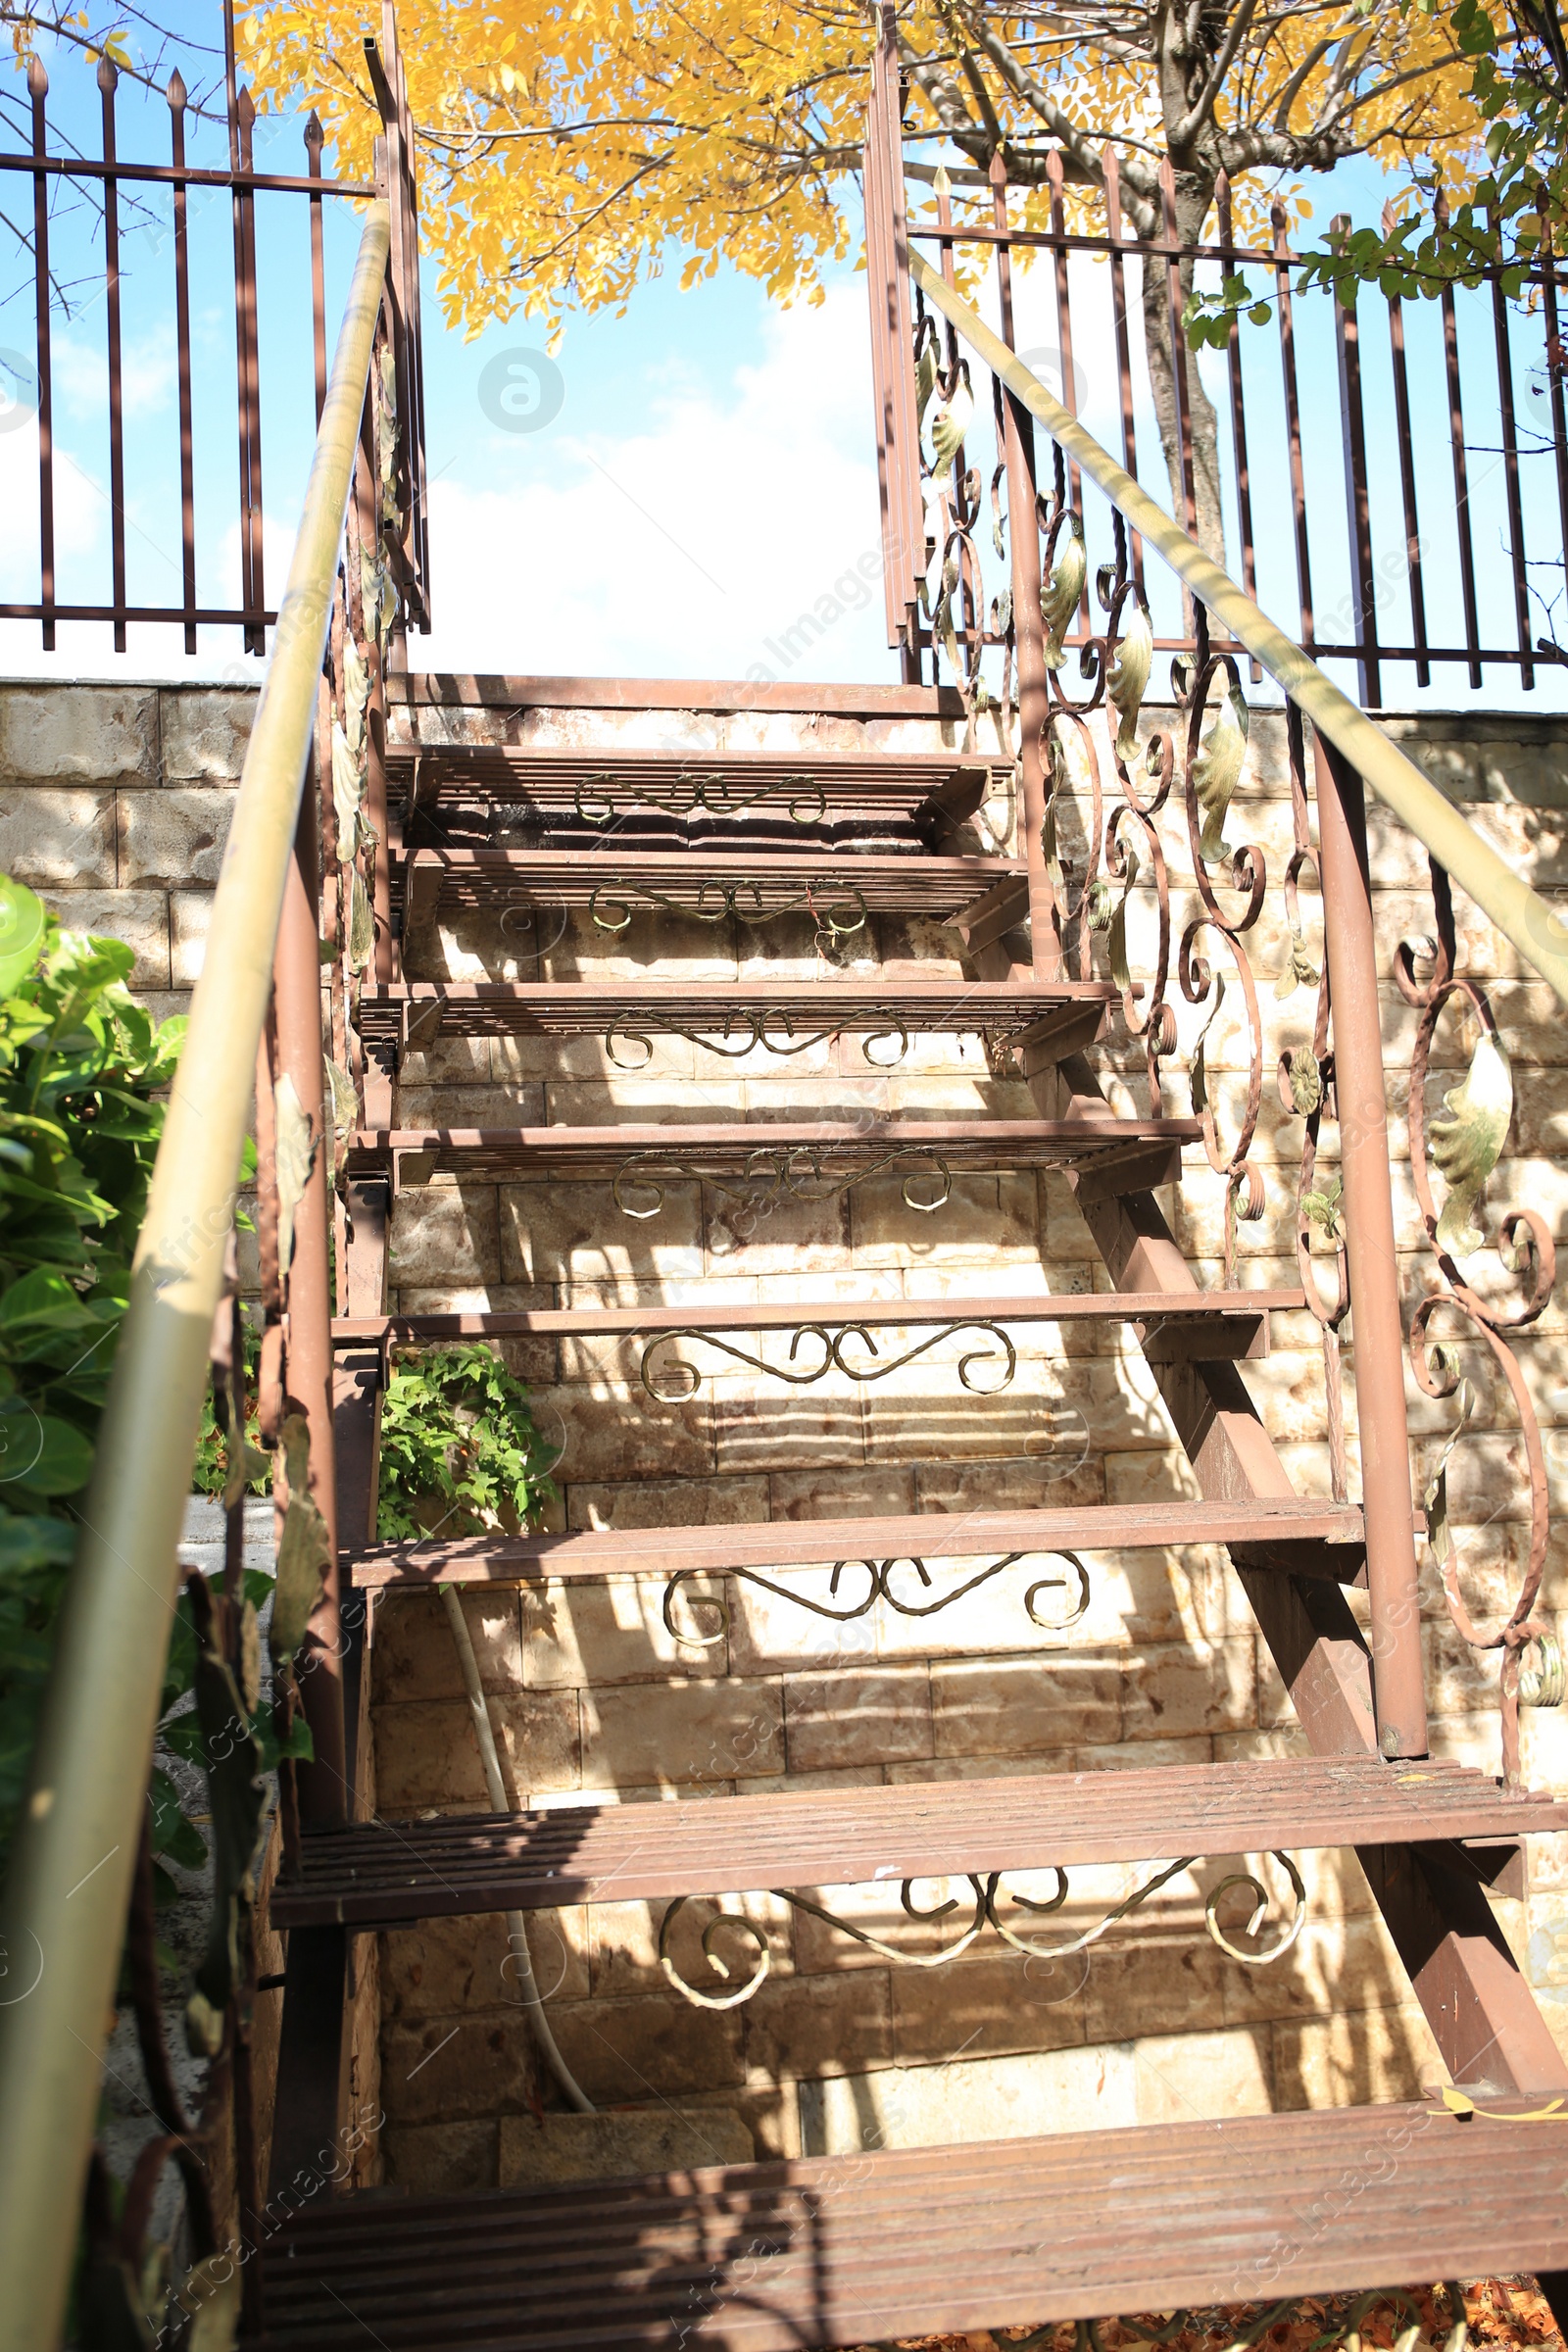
(653, 2047)
(172, 837)
(580, 1633)
(987, 2004)
(55, 836)
(655, 1733)
(445, 1232)
(1174, 1691)
(855, 1717)
(444, 1966)
(627, 1436)
(190, 915)
(416, 1657)
(1354, 2059)
(541, 2151)
(140, 917)
(86, 734)
(451, 2070)
(994, 2098)
(1011, 1706)
(1334, 1964)
(1183, 2075)
(563, 1233)
(442, 2159)
(205, 732)
(427, 1755)
(672, 1502)
(818, 2026)
(1142, 1983)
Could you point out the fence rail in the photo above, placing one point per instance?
(393, 181)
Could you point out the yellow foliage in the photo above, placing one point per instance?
(564, 148)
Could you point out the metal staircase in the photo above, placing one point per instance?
(1074, 958)
(821, 2252)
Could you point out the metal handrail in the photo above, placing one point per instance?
(75, 1850)
(1520, 914)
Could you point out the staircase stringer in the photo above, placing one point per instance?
(1482, 2014)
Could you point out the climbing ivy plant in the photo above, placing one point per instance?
(461, 1450)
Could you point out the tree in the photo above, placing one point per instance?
(568, 149)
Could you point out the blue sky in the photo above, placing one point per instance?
(708, 475)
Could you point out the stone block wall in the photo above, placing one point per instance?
(843, 2046)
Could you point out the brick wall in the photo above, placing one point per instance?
(126, 792)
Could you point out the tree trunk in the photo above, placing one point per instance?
(1203, 423)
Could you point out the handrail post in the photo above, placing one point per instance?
(1028, 625)
(1399, 1694)
(297, 1001)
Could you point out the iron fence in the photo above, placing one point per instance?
(1379, 504)
(393, 180)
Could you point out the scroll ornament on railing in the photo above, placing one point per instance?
(1464, 1143)
(987, 1895)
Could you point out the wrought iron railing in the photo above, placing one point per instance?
(1365, 496)
(1136, 873)
(255, 1026)
(109, 174)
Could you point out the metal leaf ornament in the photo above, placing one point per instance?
(295, 1157)
(1129, 676)
(1217, 768)
(348, 792)
(302, 1554)
(926, 372)
(1062, 590)
(1467, 1143)
(951, 423)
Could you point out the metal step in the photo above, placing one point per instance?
(683, 797)
(1295, 1533)
(1040, 1020)
(835, 1335)
(378, 1875)
(794, 1161)
(894, 2243)
(835, 890)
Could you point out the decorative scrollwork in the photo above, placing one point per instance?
(987, 1895)
(1465, 1145)
(836, 908)
(794, 1172)
(713, 795)
(879, 1574)
(770, 1031)
(833, 1344)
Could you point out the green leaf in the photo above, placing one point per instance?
(24, 929)
(39, 1453)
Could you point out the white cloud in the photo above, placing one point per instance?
(678, 550)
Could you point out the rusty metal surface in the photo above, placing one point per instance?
(839, 2250)
(381, 1874)
(1291, 1527)
(720, 881)
(1206, 1307)
(783, 1017)
(783, 1158)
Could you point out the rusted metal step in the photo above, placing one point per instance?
(836, 1335)
(378, 1875)
(837, 891)
(645, 798)
(833, 2251)
(1293, 1532)
(794, 1161)
(1036, 1020)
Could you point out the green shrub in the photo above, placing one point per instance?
(460, 1449)
(80, 1068)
